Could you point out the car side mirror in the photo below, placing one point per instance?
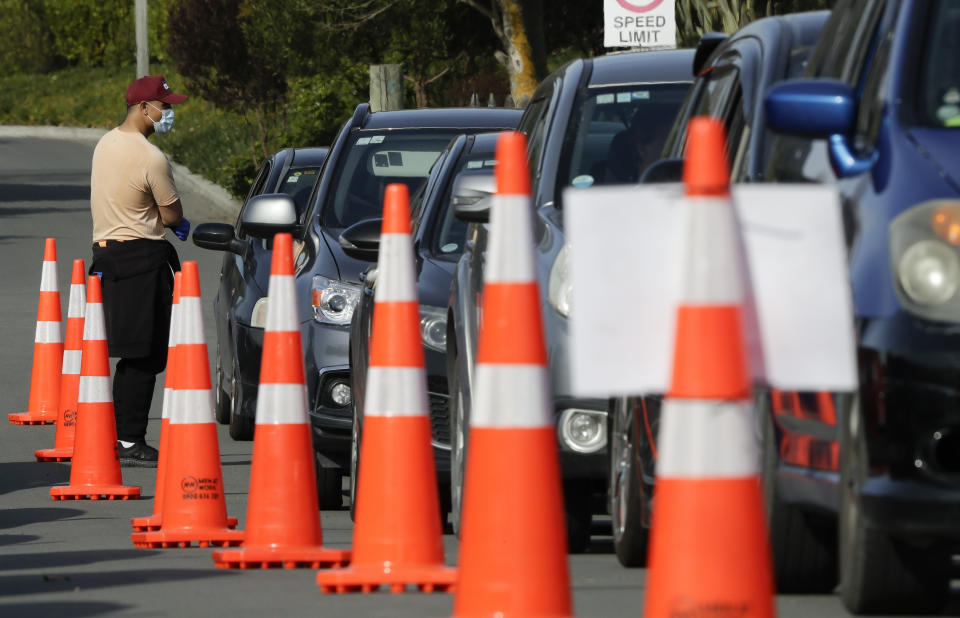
(820, 109)
(472, 193)
(361, 240)
(219, 237)
(269, 214)
(812, 108)
(664, 170)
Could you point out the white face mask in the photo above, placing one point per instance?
(166, 120)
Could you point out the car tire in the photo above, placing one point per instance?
(221, 400)
(241, 427)
(630, 536)
(579, 515)
(879, 573)
(803, 545)
(329, 485)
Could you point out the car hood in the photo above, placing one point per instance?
(939, 146)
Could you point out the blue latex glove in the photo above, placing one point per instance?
(182, 229)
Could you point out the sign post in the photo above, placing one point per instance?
(639, 23)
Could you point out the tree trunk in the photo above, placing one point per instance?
(519, 60)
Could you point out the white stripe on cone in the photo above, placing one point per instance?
(508, 396)
(48, 332)
(165, 406)
(713, 272)
(282, 306)
(395, 281)
(190, 321)
(78, 298)
(282, 404)
(511, 228)
(396, 391)
(71, 362)
(707, 439)
(93, 328)
(48, 277)
(95, 389)
(191, 406)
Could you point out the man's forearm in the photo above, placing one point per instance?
(171, 214)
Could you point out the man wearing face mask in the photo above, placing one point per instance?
(132, 199)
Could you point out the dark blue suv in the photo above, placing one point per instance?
(877, 114)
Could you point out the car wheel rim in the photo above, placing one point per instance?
(234, 395)
(457, 470)
(218, 396)
(623, 456)
(354, 460)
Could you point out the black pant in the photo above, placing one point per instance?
(133, 384)
(137, 286)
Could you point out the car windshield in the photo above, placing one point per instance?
(939, 91)
(617, 132)
(298, 183)
(372, 160)
(452, 232)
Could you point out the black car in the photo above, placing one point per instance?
(463, 175)
(734, 73)
(244, 281)
(596, 121)
(371, 151)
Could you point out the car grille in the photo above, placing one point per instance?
(439, 413)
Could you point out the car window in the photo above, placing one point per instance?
(616, 132)
(298, 183)
(452, 232)
(845, 44)
(417, 200)
(256, 188)
(374, 159)
(938, 96)
(534, 125)
(722, 98)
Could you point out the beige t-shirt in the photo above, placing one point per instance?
(130, 180)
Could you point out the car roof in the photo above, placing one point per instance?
(806, 28)
(309, 156)
(445, 118)
(673, 65)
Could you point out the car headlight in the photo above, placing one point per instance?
(929, 272)
(433, 327)
(925, 254)
(258, 319)
(560, 288)
(334, 300)
(583, 431)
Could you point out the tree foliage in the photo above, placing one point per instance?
(695, 17)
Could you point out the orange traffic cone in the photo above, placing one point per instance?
(70, 377)
(397, 540)
(513, 548)
(47, 348)
(709, 551)
(95, 468)
(152, 522)
(194, 510)
(283, 523)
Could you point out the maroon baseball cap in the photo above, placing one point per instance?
(152, 88)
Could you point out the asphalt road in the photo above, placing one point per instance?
(69, 559)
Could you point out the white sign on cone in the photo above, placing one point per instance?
(627, 284)
(639, 23)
